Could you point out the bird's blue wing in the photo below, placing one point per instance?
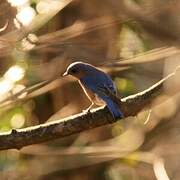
(98, 85)
(113, 107)
(100, 80)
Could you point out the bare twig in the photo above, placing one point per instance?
(74, 124)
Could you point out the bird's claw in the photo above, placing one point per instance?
(86, 111)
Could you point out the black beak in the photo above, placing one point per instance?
(65, 74)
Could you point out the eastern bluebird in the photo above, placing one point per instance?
(95, 83)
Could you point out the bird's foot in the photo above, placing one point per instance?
(88, 110)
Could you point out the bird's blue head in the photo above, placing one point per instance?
(79, 69)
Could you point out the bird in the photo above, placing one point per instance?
(95, 84)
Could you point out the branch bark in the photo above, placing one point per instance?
(130, 106)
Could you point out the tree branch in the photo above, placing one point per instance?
(130, 106)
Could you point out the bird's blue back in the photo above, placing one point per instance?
(97, 81)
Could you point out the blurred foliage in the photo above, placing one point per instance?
(42, 38)
(125, 86)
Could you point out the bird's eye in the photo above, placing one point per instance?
(74, 71)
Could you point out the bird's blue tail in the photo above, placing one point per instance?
(114, 109)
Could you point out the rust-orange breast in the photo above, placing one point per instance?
(92, 96)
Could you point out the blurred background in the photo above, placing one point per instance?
(135, 41)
